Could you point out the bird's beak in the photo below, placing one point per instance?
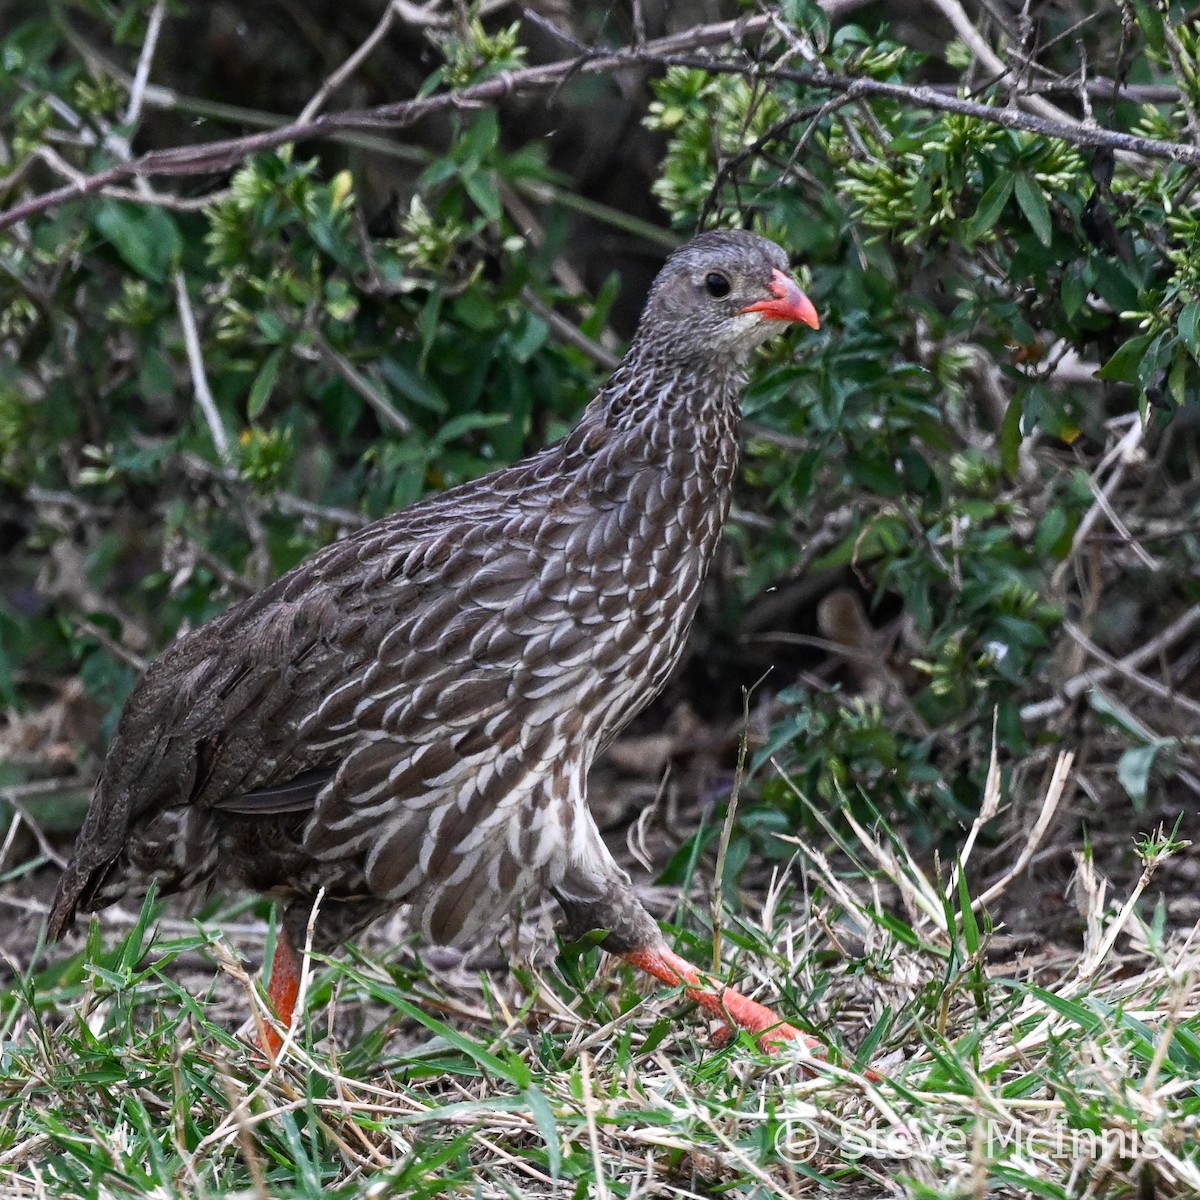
(789, 303)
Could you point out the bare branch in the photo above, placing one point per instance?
(204, 396)
(1087, 679)
(382, 406)
(141, 78)
(675, 50)
(339, 77)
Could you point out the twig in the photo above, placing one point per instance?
(137, 92)
(1178, 57)
(204, 396)
(384, 409)
(600, 1186)
(1122, 668)
(339, 77)
(735, 792)
(978, 46)
(285, 502)
(1088, 679)
(1122, 454)
(288, 1034)
(814, 114)
(1092, 961)
(989, 806)
(221, 155)
(568, 332)
(115, 648)
(16, 793)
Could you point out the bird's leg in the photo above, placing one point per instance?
(282, 992)
(633, 934)
(722, 1002)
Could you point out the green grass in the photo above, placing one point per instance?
(123, 1071)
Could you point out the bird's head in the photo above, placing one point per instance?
(723, 294)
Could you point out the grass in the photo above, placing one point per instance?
(1073, 1072)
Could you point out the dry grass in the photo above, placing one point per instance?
(1071, 1072)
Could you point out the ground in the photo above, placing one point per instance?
(1036, 1052)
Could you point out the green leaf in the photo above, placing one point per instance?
(878, 474)
(481, 187)
(970, 926)
(1123, 366)
(480, 138)
(145, 237)
(414, 386)
(510, 1068)
(1150, 18)
(1033, 204)
(528, 337)
(1189, 327)
(466, 423)
(543, 1118)
(1101, 702)
(1082, 1016)
(156, 380)
(263, 385)
(898, 928)
(270, 325)
(1010, 435)
(1134, 767)
(991, 205)
(1116, 282)
(1054, 534)
(808, 15)
(1074, 292)
(1177, 379)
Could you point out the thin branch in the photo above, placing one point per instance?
(285, 502)
(339, 77)
(978, 46)
(1122, 454)
(1054, 793)
(115, 648)
(813, 113)
(676, 50)
(1078, 684)
(137, 92)
(568, 332)
(1178, 57)
(384, 409)
(223, 154)
(921, 96)
(195, 356)
(1122, 668)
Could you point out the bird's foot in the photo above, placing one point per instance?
(729, 1006)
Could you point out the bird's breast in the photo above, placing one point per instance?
(637, 539)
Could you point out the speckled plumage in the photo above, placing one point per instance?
(409, 716)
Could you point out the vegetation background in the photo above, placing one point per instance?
(950, 635)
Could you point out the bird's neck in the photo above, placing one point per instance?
(669, 413)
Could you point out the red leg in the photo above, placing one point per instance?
(284, 989)
(722, 1002)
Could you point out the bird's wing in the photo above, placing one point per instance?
(418, 633)
(298, 794)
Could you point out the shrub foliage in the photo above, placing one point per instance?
(975, 485)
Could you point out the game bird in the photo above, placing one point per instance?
(409, 716)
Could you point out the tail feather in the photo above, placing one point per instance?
(76, 887)
(66, 900)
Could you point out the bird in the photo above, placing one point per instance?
(409, 716)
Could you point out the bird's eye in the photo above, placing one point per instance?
(715, 284)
